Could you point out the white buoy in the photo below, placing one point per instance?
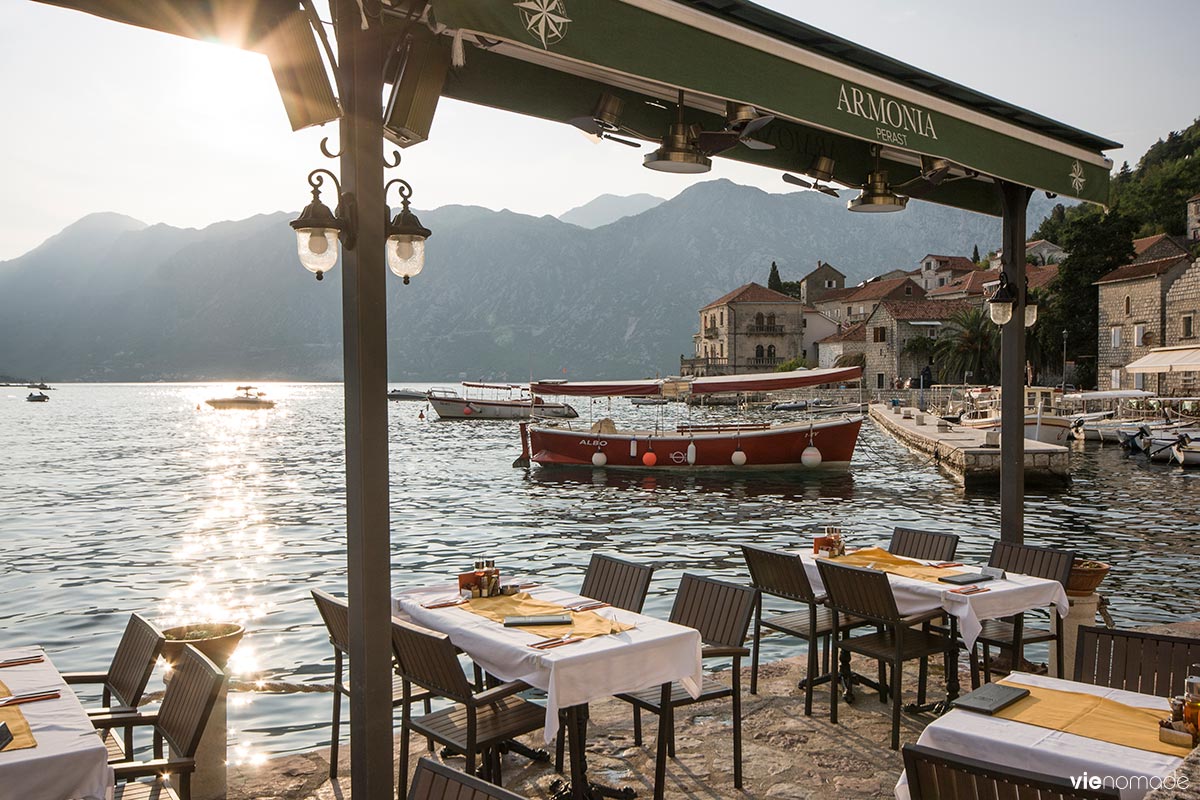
(811, 456)
(633, 448)
(691, 453)
(738, 458)
(599, 459)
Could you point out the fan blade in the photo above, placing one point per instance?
(917, 187)
(756, 124)
(756, 144)
(829, 190)
(713, 142)
(792, 179)
(619, 140)
(586, 124)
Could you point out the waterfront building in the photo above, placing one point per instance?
(845, 342)
(1040, 252)
(856, 304)
(889, 360)
(751, 329)
(817, 326)
(975, 287)
(818, 283)
(1193, 219)
(936, 270)
(1183, 328)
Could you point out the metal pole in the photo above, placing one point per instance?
(1015, 199)
(1064, 377)
(364, 332)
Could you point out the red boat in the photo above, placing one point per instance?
(826, 443)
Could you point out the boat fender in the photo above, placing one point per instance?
(739, 457)
(691, 453)
(599, 459)
(633, 448)
(467, 411)
(649, 459)
(811, 457)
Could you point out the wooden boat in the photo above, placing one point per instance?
(1101, 413)
(450, 405)
(248, 399)
(40, 397)
(1181, 446)
(1041, 427)
(825, 443)
(407, 394)
(649, 401)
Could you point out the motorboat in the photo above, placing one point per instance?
(1042, 427)
(407, 394)
(1180, 446)
(248, 397)
(649, 401)
(805, 444)
(39, 397)
(476, 403)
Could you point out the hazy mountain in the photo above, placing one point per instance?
(502, 294)
(609, 208)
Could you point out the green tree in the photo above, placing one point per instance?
(975, 254)
(851, 360)
(971, 344)
(795, 363)
(775, 282)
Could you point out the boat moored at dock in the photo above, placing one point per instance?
(450, 405)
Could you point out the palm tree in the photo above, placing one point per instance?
(850, 360)
(970, 344)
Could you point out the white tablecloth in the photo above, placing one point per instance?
(70, 760)
(1064, 755)
(1013, 595)
(653, 653)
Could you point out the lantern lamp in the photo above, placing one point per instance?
(405, 236)
(319, 230)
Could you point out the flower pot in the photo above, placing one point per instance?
(1085, 577)
(217, 640)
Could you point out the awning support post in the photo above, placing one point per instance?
(364, 333)
(1015, 199)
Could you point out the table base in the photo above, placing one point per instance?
(575, 720)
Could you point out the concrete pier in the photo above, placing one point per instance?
(966, 452)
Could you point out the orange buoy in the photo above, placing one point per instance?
(649, 459)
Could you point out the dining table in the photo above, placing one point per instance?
(1001, 597)
(1059, 753)
(650, 653)
(57, 752)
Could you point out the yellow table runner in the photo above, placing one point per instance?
(878, 558)
(17, 726)
(584, 624)
(1092, 717)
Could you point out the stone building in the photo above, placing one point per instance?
(1183, 328)
(887, 332)
(819, 282)
(1133, 315)
(1193, 220)
(751, 329)
(1160, 245)
(845, 342)
(1040, 251)
(855, 305)
(816, 327)
(936, 271)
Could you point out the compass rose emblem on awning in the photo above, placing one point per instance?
(546, 20)
(1077, 177)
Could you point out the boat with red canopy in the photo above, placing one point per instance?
(827, 443)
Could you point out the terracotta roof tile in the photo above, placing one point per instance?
(1142, 269)
(855, 333)
(971, 283)
(836, 294)
(877, 290)
(924, 309)
(751, 293)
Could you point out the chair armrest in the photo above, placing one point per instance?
(925, 616)
(85, 677)
(158, 766)
(500, 692)
(724, 652)
(122, 710)
(123, 720)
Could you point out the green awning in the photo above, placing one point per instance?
(552, 58)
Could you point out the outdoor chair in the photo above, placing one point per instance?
(1149, 663)
(866, 594)
(930, 545)
(622, 584)
(434, 781)
(1011, 634)
(179, 723)
(336, 614)
(476, 724)
(125, 680)
(782, 575)
(721, 612)
(934, 775)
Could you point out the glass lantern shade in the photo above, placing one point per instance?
(1000, 312)
(1030, 315)
(406, 255)
(318, 249)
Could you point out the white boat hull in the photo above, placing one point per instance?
(463, 408)
(240, 403)
(1046, 429)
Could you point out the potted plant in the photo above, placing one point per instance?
(1086, 575)
(217, 640)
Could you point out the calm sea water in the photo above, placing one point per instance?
(123, 498)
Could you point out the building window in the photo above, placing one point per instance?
(1128, 305)
(879, 380)
(1185, 328)
(1139, 336)
(941, 281)
(908, 288)
(1115, 333)
(830, 284)
(860, 309)
(879, 334)
(771, 351)
(722, 345)
(770, 320)
(758, 352)
(758, 319)
(804, 322)
(1139, 381)
(1115, 378)
(722, 322)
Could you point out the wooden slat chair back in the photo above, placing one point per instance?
(133, 662)
(188, 701)
(913, 543)
(1039, 562)
(934, 775)
(434, 781)
(859, 591)
(622, 584)
(336, 615)
(778, 574)
(1148, 663)
(428, 659)
(720, 611)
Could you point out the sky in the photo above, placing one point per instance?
(100, 116)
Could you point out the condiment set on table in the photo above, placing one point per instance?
(1183, 728)
(483, 581)
(830, 544)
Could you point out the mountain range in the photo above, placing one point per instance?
(503, 295)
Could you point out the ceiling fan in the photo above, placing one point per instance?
(821, 170)
(605, 121)
(934, 173)
(742, 122)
